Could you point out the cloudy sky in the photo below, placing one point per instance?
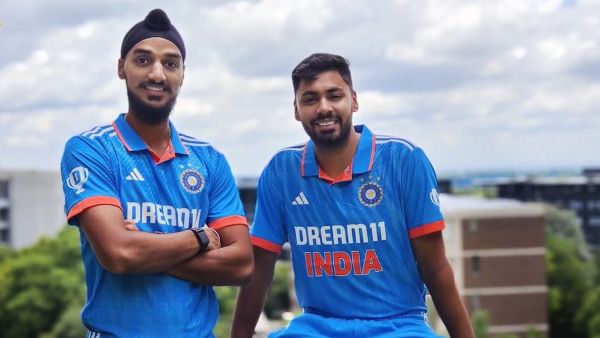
(488, 84)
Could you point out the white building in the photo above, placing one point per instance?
(497, 250)
(31, 205)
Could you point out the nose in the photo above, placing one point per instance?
(157, 73)
(324, 106)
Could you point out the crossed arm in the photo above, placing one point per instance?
(121, 250)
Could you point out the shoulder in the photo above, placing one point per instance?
(285, 162)
(94, 138)
(399, 150)
(395, 143)
(291, 155)
(199, 146)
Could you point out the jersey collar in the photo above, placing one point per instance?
(361, 163)
(133, 142)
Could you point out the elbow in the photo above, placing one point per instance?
(117, 262)
(244, 273)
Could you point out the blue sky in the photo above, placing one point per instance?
(477, 84)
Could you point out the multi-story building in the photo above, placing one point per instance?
(31, 205)
(580, 194)
(497, 251)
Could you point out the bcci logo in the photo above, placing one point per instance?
(192, 181)
(77, 178)
(370, 194)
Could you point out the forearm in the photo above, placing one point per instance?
(141, 252)
(447, 302)
(229, 265)
(250, 302)
(251, 298)
(123, 251)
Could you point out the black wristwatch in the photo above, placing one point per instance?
(202, 237)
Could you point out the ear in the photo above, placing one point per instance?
(354, 102)
(296, 115)
(121, 69)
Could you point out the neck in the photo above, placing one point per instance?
(334, 160)
(156, 136)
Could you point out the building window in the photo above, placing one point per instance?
(473, 226)
(5, 236)
(575, 205)
(3, 189)
(594, 221)
(475, 265)
(4, 215)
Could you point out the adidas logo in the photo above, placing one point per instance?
(135, 175)
(300, 200)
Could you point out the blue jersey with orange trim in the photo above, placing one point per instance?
(350, 237)
(190, 186)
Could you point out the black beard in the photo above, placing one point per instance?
(327, 141)
(147, 114)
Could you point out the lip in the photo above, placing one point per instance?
(325, 123)
(155, 89)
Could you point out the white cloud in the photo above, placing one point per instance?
(484, 84)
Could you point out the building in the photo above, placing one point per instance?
(580, 194)
(247, 188)
(31, 205)
(497, 251)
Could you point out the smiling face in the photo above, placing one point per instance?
(324, 106)
(153, 71)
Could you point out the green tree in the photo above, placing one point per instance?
(5, 253)
(38, 284)
(564, 223)
(481, 322)
(533, 333)
(597, 267)
(570, 273)
(588, 316)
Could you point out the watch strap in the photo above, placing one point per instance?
(202, 238)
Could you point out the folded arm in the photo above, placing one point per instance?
(122, 251)
(232, 264)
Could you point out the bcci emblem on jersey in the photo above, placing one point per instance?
(370, 194)
(192, 181)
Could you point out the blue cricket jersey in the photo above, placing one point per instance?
(350, 236)
(190, 186)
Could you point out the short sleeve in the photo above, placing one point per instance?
(268, 229)
(420, 195)
(224, 199)
(87, 178)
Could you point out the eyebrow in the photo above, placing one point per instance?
(147, 51)
(313, 92)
